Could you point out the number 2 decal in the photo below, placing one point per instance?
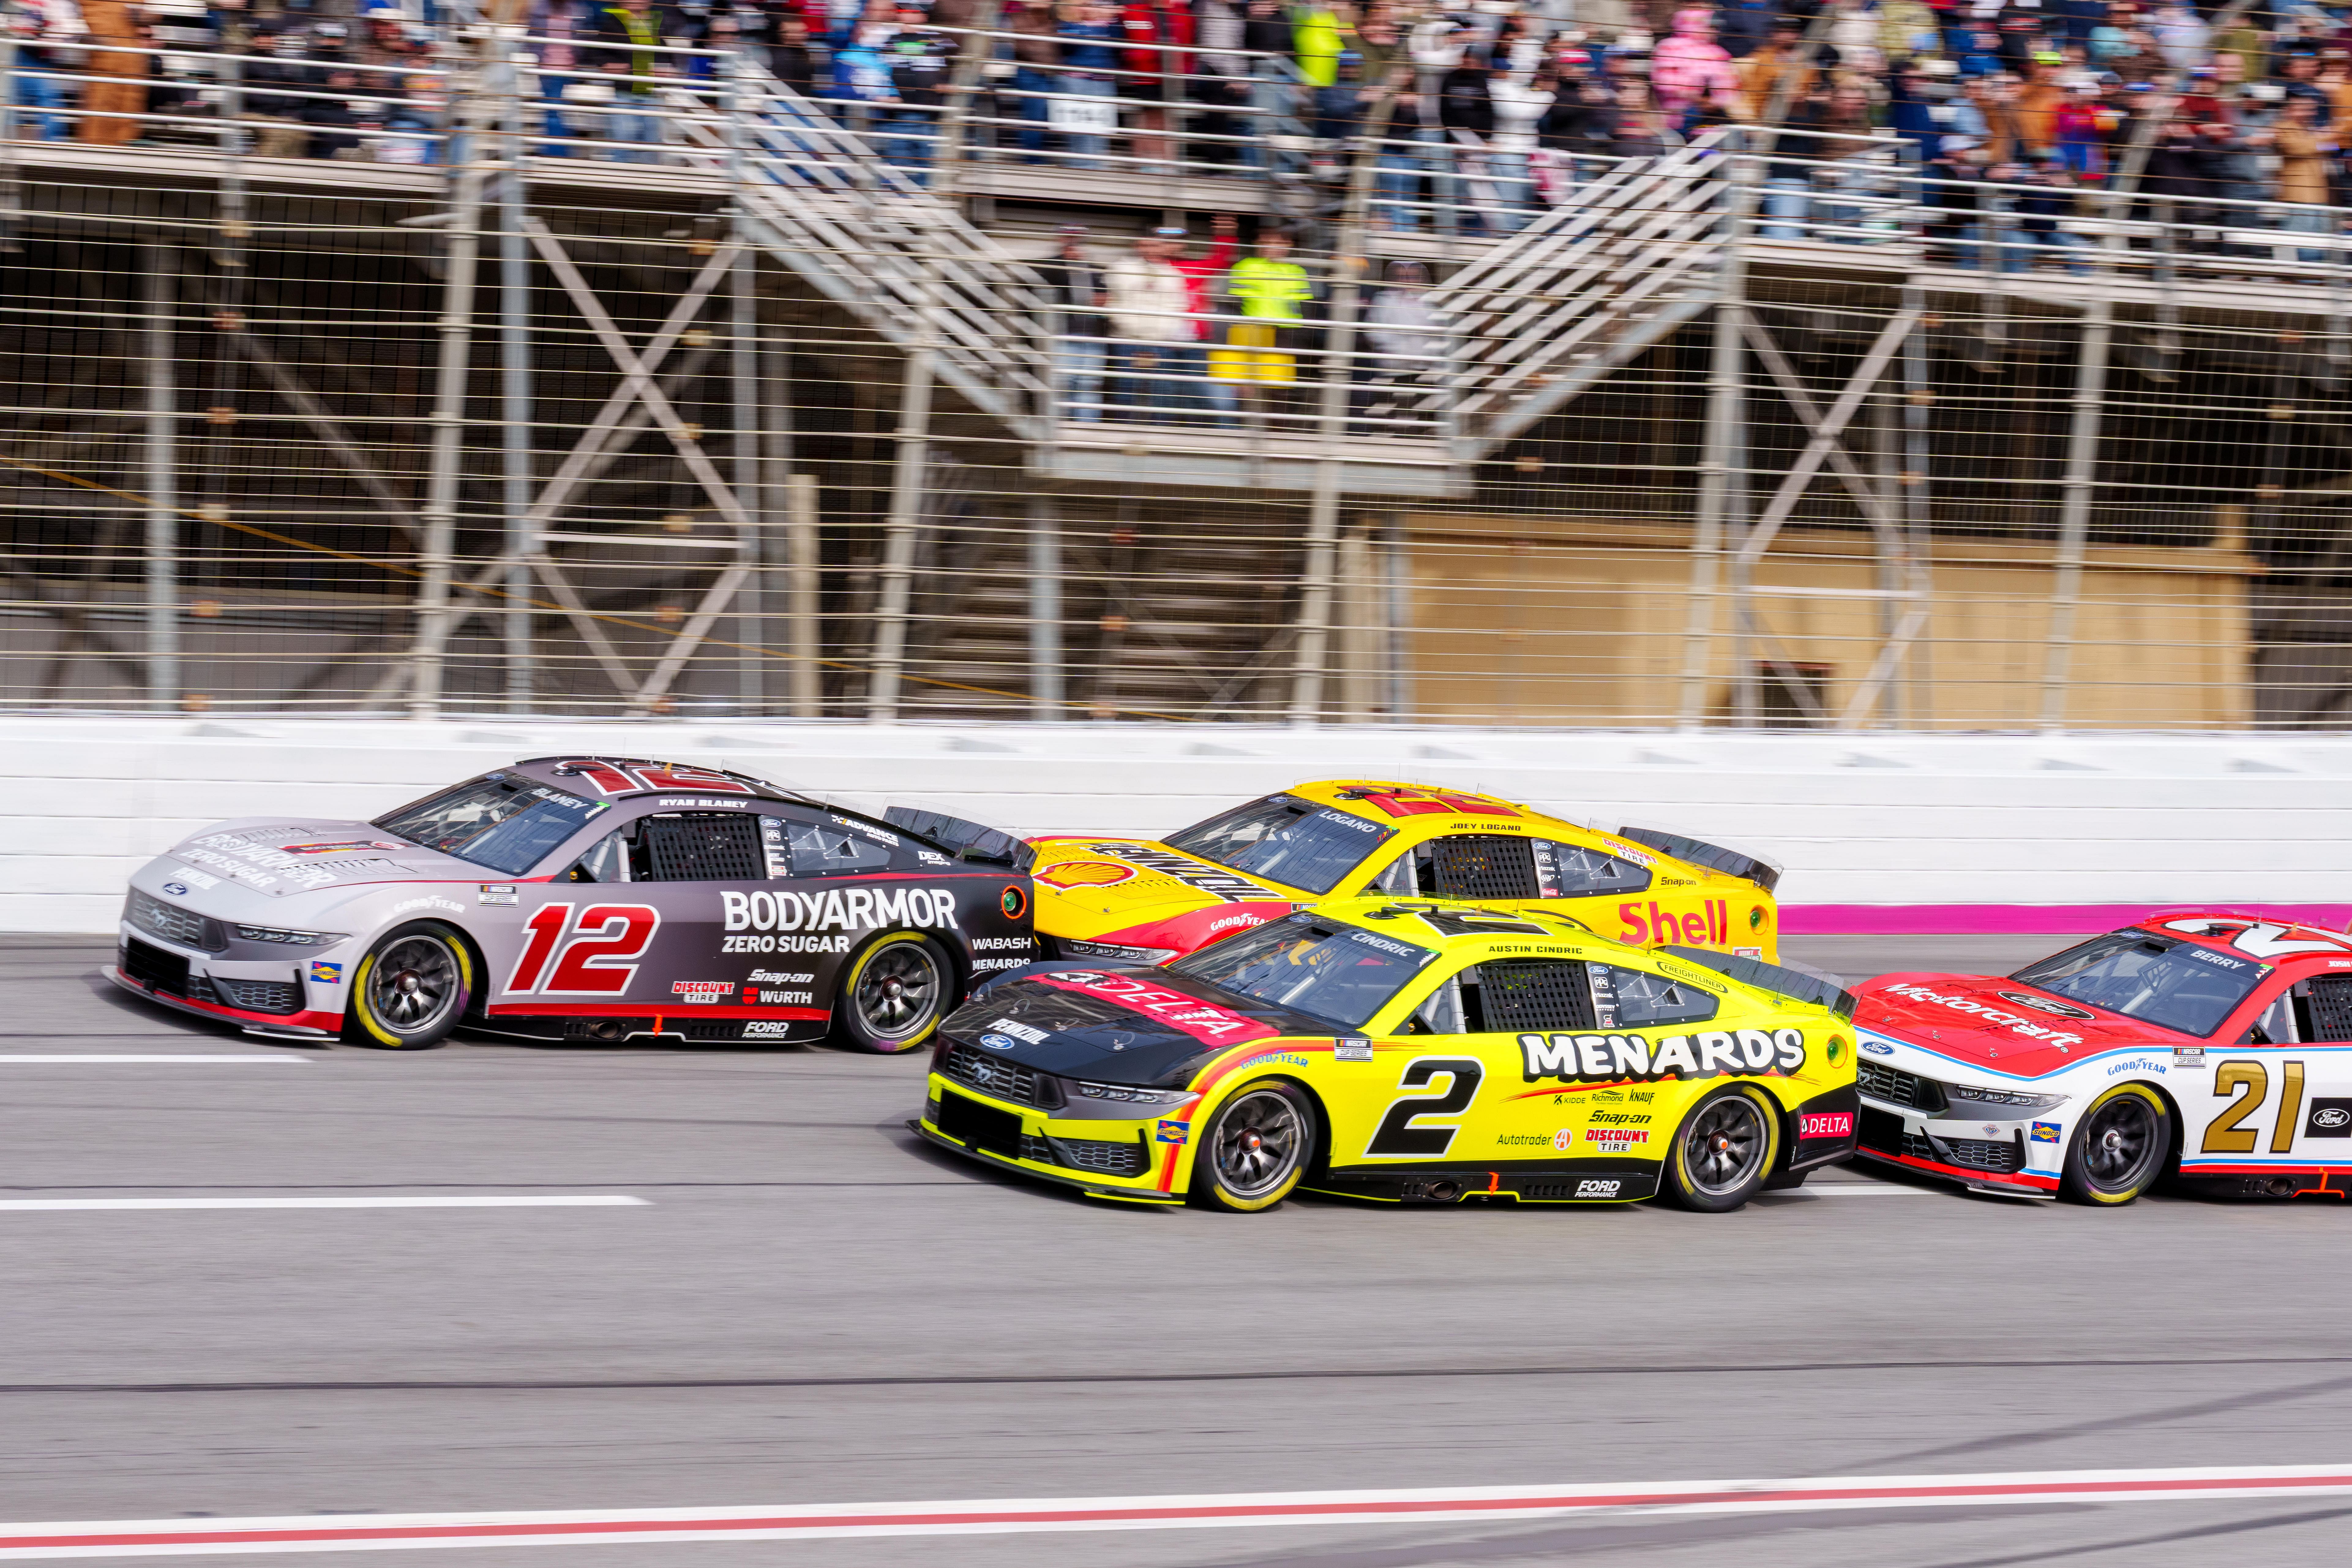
(2251, 1083)
(598, 959)
(1397, 1133)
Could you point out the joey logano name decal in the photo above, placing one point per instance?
(1200, 878)
(1201, 1020)
(826, 922)
(1738, 1053)
(2018, 1023)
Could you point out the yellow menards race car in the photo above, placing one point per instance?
(1406, 1051)
(1129, 900)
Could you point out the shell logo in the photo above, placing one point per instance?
(1084, 874)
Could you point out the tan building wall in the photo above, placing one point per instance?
(1578, 621)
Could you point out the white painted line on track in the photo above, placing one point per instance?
(563, 1201)
(384, 1532)
(54, 1059)
(1855, 1190)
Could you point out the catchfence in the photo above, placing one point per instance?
(475, 385)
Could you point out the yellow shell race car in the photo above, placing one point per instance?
(1406, 1051)
(1127, 900)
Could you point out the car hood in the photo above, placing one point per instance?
(2000, 1023)
(278, 858)
(1143, 893)
(1142, 1027)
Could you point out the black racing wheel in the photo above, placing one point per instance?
(2120, 1148)
(894, 994)
(1254, 1149)
(1724, 1150)
(411, 989)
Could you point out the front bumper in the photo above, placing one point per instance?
(278, 994)
(308, 1024)
(1990, 1155)
(1133, 1161)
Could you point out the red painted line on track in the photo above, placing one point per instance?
(1338, 1508)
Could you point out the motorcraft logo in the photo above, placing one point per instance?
(2017, 1023)
(1616, 1058)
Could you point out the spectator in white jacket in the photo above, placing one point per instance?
(1153, 328)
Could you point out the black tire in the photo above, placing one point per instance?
(894, 994)
(413, 986)
(1252, 1152)
(2119, 1149)
(1723, 1150)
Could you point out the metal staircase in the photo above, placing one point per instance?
(1544, 315)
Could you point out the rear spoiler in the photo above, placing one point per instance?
(1714, 857)
(1792, 981)
(965, 840)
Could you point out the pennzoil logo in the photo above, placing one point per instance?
(1717, 1053)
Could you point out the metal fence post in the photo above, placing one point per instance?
(744, 447)
(1045, 610)
(517, 430)
(907, 493)
(801, 546)
(2074, 512)
(158, 264)
(1718, 497)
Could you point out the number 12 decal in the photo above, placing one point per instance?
(598, 955)
(1397, 1133)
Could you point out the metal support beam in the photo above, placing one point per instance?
(1722, 504)
(436, 562)
(517, 423)
(800, 545)
(159, 263)
(1397, 654)
(744, 447)
(914, 437)
(2075, 511)
(1826, 428)
(1045, 610)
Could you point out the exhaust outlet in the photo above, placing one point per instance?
(605, 1029)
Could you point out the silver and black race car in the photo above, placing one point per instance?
(593, 898)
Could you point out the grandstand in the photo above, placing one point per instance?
(724, 395)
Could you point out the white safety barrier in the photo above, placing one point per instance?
(1924, 833)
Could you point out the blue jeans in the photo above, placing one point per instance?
(622, 125)
(1275, 97)
(1784, 199)
(40, 92)
(1085, 149)
(1146, 380)
(1515, 191)
(906, 138)
(1198, 387)
(1034, 110)
(2310, 220)
(2020, 248)
(1399, 182)
(1078, 362)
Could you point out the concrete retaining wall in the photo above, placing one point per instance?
(1928, 833)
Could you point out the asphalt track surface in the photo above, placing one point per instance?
(805, 1307)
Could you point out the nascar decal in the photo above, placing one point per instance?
(1203, 1020)
(1710, 924)
(1408, 802)
(1196, 875)
(826, 922)
(612, 778)
(2018, 1023)
(1717, 1053)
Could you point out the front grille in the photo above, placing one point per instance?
(1982, 1155)
(1000, 1079)
(1103, 1159)
(173, 923)
(154, 968)
(258, 996)
(1893, 1085)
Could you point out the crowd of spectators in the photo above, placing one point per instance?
(1484, 114)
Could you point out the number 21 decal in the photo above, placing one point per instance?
(596, 957)
(2250, 1083)
(1397, 1133)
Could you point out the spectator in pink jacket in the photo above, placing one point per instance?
(1690, 67)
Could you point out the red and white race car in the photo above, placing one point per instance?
(2215, 1046)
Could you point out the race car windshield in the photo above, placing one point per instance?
(1332, 972)
(2174, 984)
(507, 825)
(1286, 841)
